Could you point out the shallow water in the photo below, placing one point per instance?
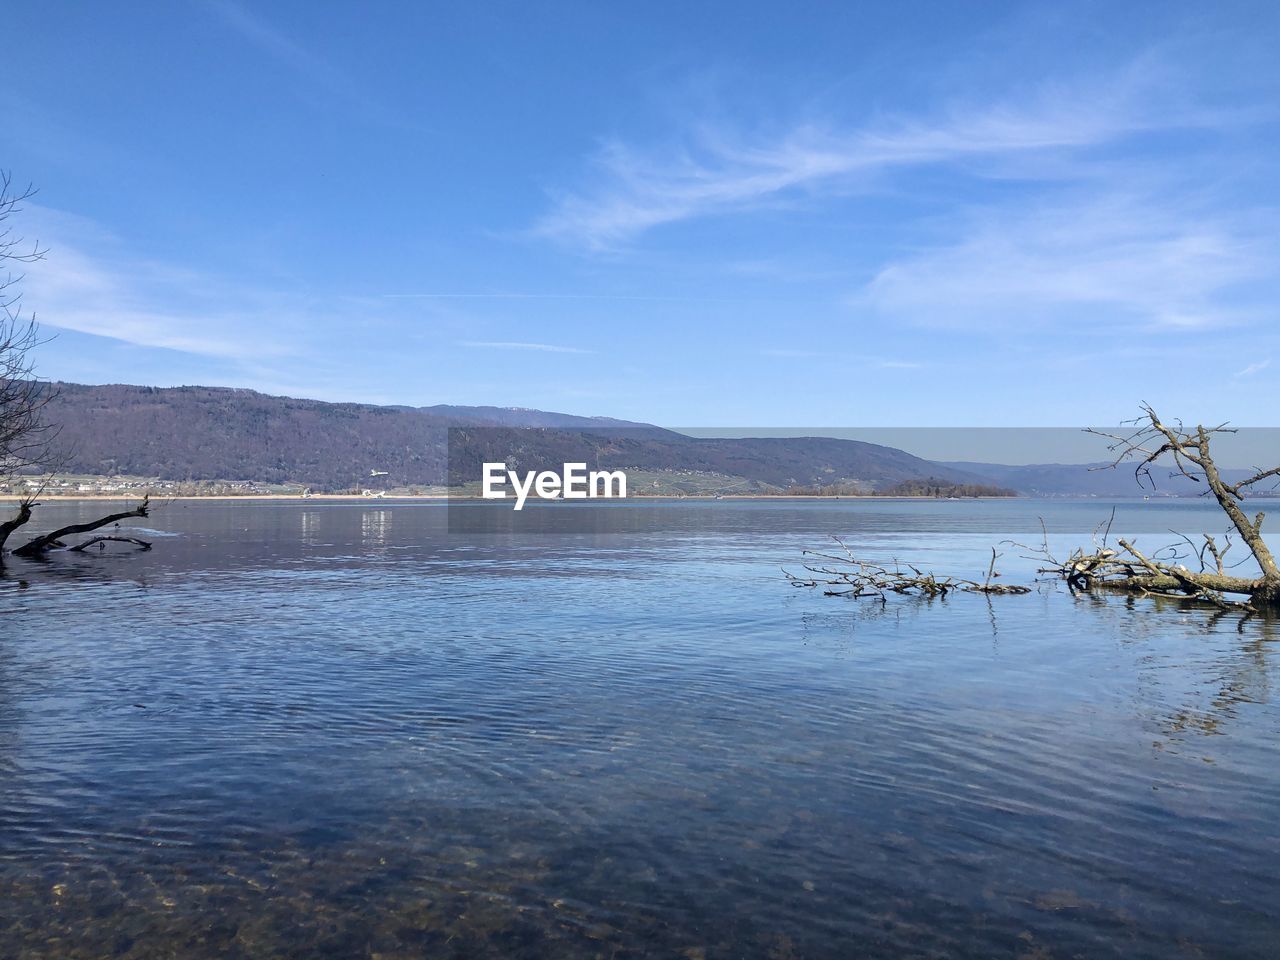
(335, 729)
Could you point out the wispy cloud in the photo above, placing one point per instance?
(1127, 258)
(1252, 368)
(789, 354)
(314, 71)
(134, 300)
(559, 296)
(715, 171)
(785, 353)
(515, 345)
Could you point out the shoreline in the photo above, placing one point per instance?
(358, 498)
(436, 497)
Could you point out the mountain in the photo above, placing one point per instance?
(1088, 479)
(219, 433)
(778, 462)
(524, 417)
(208, 433)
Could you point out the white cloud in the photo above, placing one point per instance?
(1253, 368)
(73, 292)
(88, 284)
(324, 79)
(788, 354)
(1130, 258)
(514, 345)
(556, 296)
(715, 172)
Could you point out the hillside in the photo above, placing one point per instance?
(211, 433)
(1089, 479)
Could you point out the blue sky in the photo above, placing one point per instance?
(694, 214)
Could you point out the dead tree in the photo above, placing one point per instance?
(1187, 451)
(1160, 572)
(54, 540)
(25, 436)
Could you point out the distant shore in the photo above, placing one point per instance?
(358, 498)
(437, 497)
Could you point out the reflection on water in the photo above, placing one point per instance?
(331, 730)
(310, 520)
(374, 527)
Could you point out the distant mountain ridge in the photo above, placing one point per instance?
(522, 417)
(219, 433)
(1089, 479)
(226, 433)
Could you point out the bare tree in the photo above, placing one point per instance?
(25, 436)
(1187, 450)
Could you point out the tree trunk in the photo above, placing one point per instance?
(1189, 583)
(6, 528)
(1250, 530)
(1267, 597)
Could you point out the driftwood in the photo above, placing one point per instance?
(1163, 572)
(103, 541)
(853, 577)
(53, 540)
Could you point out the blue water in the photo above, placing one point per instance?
(335, 729)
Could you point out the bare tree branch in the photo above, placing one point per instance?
(26, 438)
(853, 577)
(39, 545)
(101, 542)
(1191, 455)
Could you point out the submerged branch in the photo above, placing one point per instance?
(852, 577)
(53, 540)
(1130, 570)
(103, 541)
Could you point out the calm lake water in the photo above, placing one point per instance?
(336, 729)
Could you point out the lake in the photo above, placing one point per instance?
(302, 729)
